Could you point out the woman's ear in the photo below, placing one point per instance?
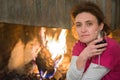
(101, 26)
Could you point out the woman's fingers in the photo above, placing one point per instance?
(93, 48)
(102, 45)
(96, 49)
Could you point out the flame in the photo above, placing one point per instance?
(57, 47)
(42, 34)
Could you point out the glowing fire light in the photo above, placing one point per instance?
(56, 47)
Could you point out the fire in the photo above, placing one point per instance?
(57, 47)
(56, 44)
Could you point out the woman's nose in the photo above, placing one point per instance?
(83, 29)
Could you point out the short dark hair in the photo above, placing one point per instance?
(88, 6)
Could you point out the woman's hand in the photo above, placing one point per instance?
(93, 49)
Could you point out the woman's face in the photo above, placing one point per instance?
(87, 27)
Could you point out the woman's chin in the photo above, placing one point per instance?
(85, 41)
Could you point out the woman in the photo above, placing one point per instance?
(93, 57)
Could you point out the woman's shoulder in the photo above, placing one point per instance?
(112, 43)
(113, 47)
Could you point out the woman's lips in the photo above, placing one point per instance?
(86, 35)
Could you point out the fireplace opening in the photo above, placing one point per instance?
(42, 52)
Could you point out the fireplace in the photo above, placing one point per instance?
(43, 51)
(47, 44)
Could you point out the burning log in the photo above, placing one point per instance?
(45, 63)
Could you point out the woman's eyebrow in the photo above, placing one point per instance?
(77, 22)
(88, 21)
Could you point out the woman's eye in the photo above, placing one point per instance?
(78, 25)
(89, 24)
